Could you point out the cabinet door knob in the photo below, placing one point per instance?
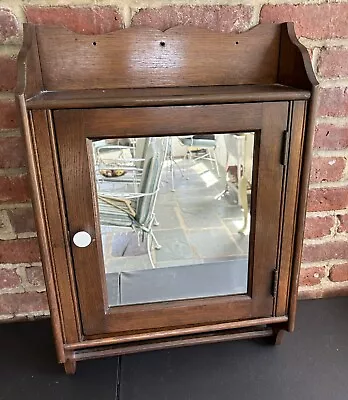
(82, 239)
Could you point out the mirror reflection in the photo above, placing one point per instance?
(174, 215)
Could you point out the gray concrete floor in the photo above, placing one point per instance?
(194, 226)
(310, 364)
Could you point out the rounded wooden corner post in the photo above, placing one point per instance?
(70, 366)
(299, 73)
(24, 87)
(302, 205)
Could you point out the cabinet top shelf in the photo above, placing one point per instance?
(142, 65)
(96, 98)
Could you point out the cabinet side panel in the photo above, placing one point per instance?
(302, 204)
(38, 206)
(290, 204)
(56, 244)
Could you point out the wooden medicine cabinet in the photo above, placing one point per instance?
(169, 174)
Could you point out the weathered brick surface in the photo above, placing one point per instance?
(6, 229)
(333, 102)
(20, 303)
(326, 169)
(14, 189)
(88, 20)
(35, 276)
(8, 73)
(9, 279)
(327, 199)
(12, 152)
(339, 273)
(22, 219)
(333, 62)
(317, 227)
(334, 249)
(219, 18)
(315, 21)
(311, 276)
(343, 226)
(8, 25)
(8, 115)
(331, 137)
(19, 251)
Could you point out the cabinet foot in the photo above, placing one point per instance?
(70, 367)
(277, 337)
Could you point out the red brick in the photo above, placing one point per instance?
(333, 102)
(327, 169)
(333, 63)
(235, 18)
(14, 188)
(337, 249)
(22, 219)
(343, 226)
(20, 303)
(331, 137)
(311, 276)
(88, 20)
(8, 25)
(8, 73)
(318, 226)
(8, 115)
(314, 21)
(339, 273)
(12, 152)
(9, 279)
(35, 276)
(327, 199)
(19, 251)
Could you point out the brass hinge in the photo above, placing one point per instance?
(275, 278)
(285, 148)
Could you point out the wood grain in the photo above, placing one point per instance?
(145, 57)
(292, 181)
(154, 121)
(165, 96)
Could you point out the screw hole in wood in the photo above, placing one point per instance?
(162, 43)
(94, 43)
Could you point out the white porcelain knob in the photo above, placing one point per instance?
(82, 239)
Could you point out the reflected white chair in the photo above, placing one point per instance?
(137, 210)
(128, 159)
(197, 143)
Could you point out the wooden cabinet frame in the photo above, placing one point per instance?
(138, 82)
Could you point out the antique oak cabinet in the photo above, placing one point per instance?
(169, 175)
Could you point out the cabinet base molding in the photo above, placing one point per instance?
(273, 333)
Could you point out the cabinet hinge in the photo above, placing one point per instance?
(275, 278)
(285, 148)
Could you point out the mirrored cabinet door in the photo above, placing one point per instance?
(172, 222)
(174, 215)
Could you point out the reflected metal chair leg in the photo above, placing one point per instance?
(243, 195)
(157, 245)
(148, 246)
(216, 164)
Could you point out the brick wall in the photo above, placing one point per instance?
(323, 29)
